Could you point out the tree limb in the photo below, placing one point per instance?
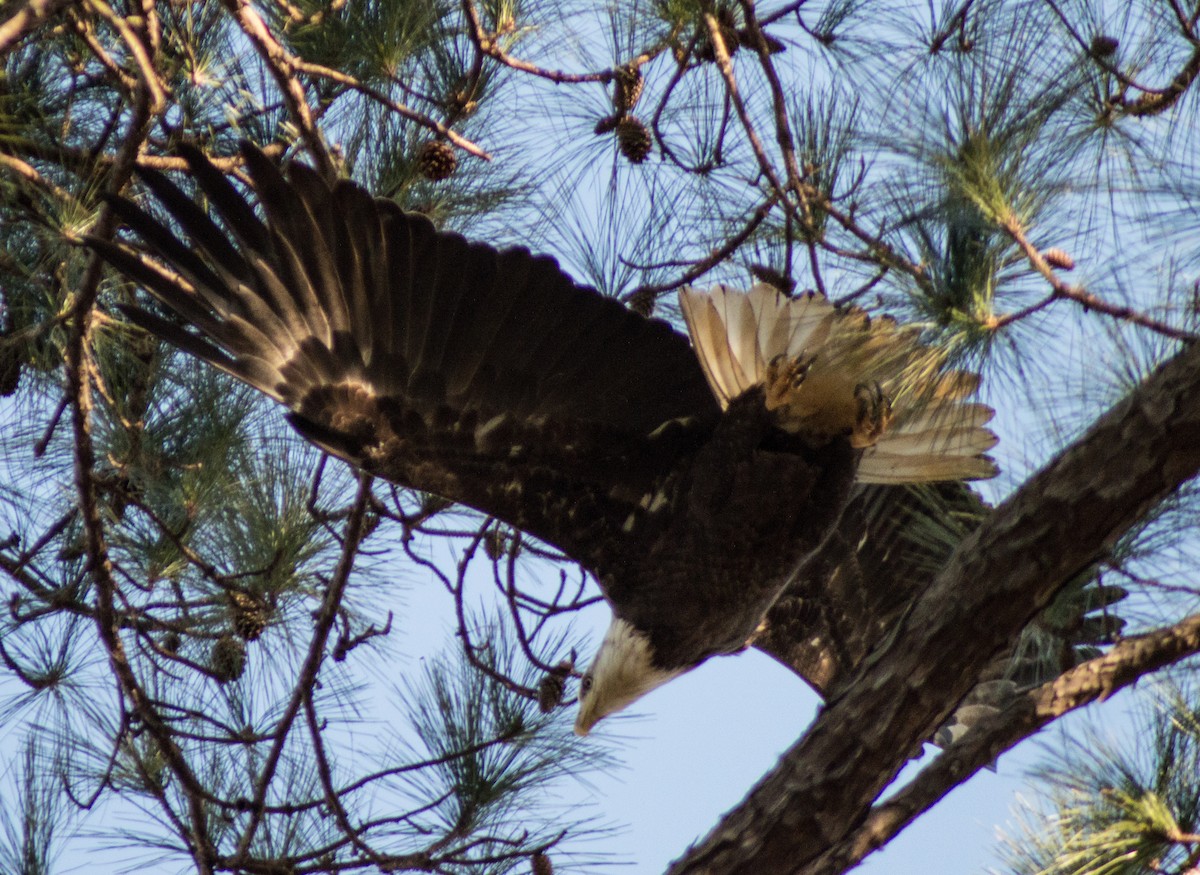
(1092, 681)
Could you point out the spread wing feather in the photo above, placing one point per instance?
(443, 365)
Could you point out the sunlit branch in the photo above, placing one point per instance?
(725, 65)
(400, 109)
(25, 20)
(1064, 290)
(283, 67)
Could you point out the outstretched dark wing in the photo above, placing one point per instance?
(487, 377)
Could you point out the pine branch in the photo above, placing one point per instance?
(1060, 289)
(99, 560)
(307, 677)
(283, 67)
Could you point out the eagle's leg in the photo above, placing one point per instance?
(874, 415)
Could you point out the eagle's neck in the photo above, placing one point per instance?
(623, 672)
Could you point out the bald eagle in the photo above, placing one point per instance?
(696, 481)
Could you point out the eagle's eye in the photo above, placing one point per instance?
(585, 684)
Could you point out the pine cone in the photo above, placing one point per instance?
(642, 302)
(1059, 258)
(495, 542)
(727, 24)
(460, 100)
(227, 661)
(633, 139)
(249, 615)
(541, 864)
(627, 88)
(120, 491)
(1103, 45)
(550, 692)
(764, 273)
(170, 642)
(551, 686)
(607, 124)
(436, 160)
(774, 46)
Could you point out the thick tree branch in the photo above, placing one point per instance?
(1055, 526)
(1089, 682)
(107, 615)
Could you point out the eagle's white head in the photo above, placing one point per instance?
(621, 673)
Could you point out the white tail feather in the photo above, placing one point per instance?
(936, 434)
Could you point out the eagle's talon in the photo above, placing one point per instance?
(874, 415)
(785, 376)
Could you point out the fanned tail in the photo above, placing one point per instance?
(934, 431)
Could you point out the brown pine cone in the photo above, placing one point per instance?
(437, 160)
(634, 140)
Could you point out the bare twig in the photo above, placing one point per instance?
(149, 78)
(283, 66)
(26, 20)
(398, 108)
(718, 255)
(725, 65)
(1078, 294)
(487, 44)
(1151, 101)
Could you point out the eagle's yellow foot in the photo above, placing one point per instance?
(874, 415)
(785, 376)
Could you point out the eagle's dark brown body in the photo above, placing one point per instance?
(490, 378)
(733, 529)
